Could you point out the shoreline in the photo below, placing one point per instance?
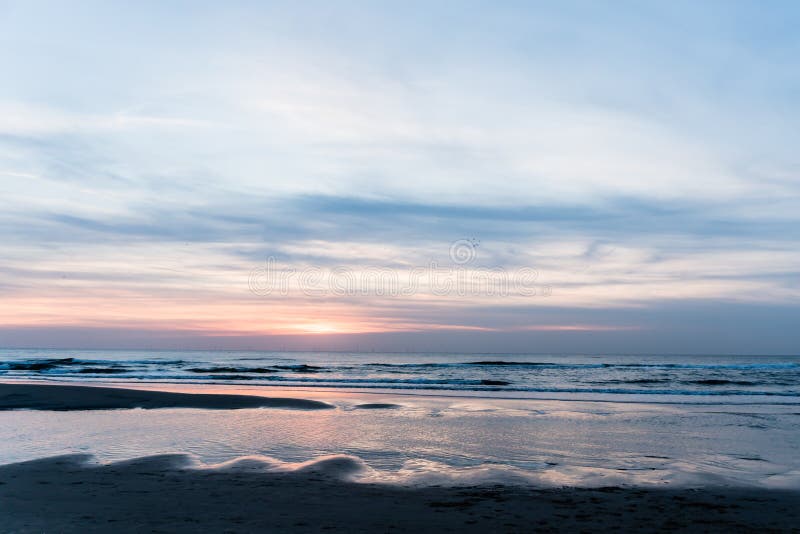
(328, 391)
(69, 494)
(473, 440)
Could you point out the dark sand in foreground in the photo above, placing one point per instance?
(62, 398)
(160, 494)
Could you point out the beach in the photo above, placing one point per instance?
(83, 458)
(162, 494)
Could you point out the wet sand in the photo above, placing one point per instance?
(66, 398)
(163, 493)
(175, 493)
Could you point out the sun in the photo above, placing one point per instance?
(319, 328)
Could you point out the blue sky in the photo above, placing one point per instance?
(641, 157)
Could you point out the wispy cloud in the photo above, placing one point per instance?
(639, 159)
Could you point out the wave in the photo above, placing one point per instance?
(494, 363)
(553, 365)
(637, 381)
(102, 370)
(721, 382)
(212, 370)
(707, 366)
(378, 382)
(52, 363)
(46, 364)
(700, 382)
(37, 365)
(501, 362)
(301, 368)
(615, 376)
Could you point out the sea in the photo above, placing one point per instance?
(673, 378)
(433, 418)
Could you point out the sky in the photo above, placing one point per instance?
(598, 177)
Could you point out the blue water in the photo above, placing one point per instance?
(611, 376)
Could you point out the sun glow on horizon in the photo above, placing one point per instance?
(319, 328)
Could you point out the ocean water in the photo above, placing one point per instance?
(576, 420)
(773, 379)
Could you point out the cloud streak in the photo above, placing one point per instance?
(639, 159)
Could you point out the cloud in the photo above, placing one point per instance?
(637, 158)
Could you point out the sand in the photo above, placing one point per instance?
(62, 398)
(173, 493)
(164, 494)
